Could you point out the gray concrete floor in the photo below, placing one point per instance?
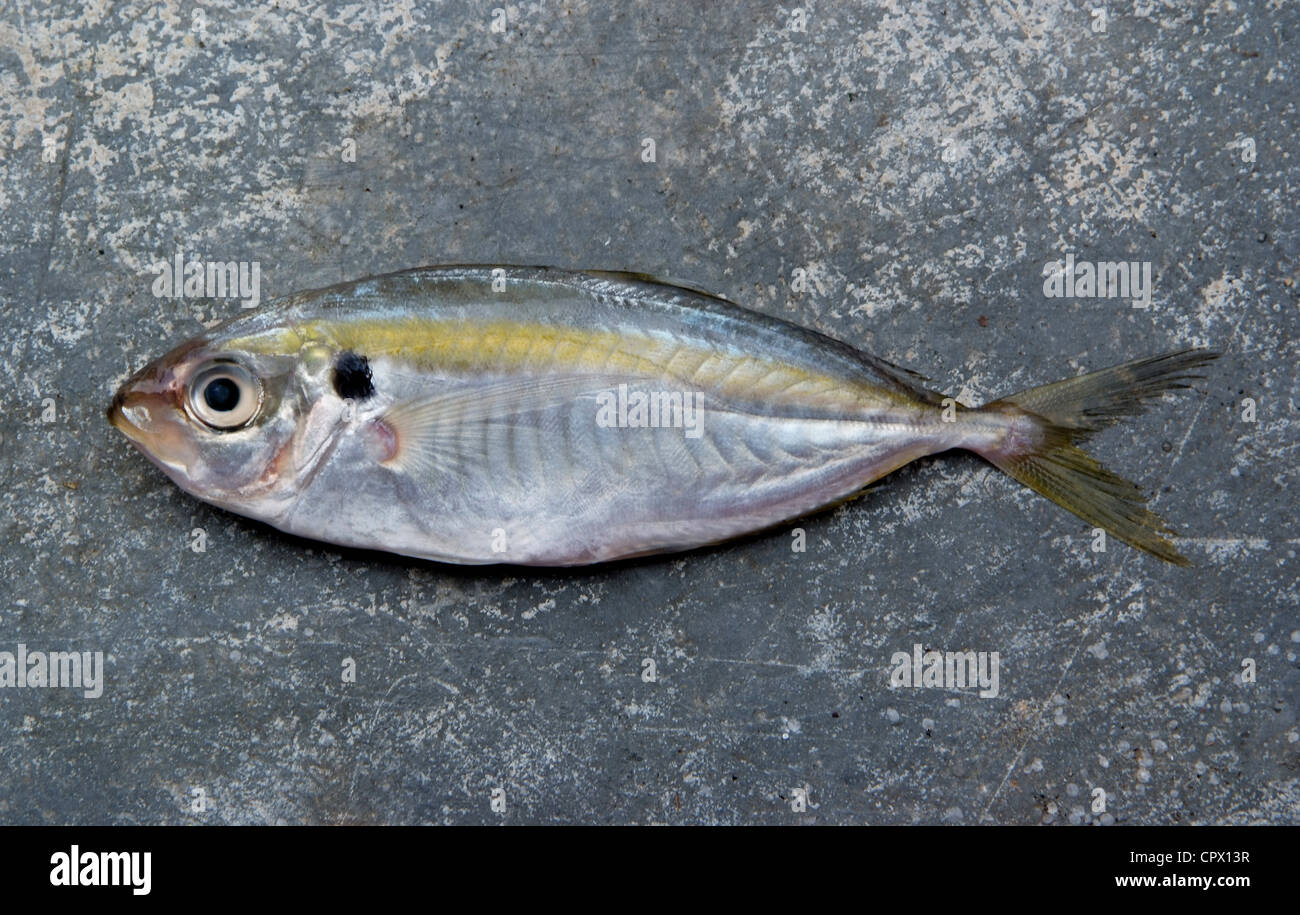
(921, 163)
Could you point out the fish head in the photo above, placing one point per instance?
(220, 420)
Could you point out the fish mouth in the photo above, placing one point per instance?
(142, 403)
(117, 417)
(147, 420)
(130, 414)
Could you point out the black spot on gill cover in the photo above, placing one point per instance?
(352, 379)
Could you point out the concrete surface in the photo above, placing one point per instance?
(919, 162)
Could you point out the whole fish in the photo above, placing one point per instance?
(544, 417)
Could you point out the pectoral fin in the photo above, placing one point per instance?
(456, 430)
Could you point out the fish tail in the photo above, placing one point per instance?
(1045, 425)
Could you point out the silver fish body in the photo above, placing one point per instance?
(543, 417)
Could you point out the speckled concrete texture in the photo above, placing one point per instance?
(897, 175)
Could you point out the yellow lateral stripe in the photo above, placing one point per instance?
(506, 345)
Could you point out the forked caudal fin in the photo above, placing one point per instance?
(1041, 450)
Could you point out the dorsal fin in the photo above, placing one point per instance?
(668, 282)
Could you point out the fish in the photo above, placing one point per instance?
(542, 417)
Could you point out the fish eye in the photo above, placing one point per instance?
(224, 396)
